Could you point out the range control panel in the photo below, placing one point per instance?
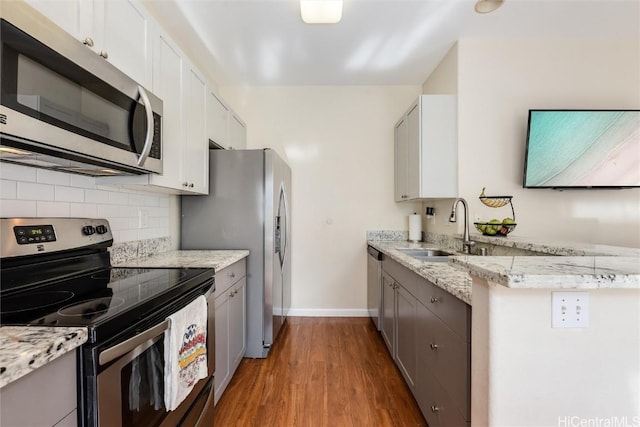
(28, 236)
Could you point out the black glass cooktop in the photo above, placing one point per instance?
(105, 300)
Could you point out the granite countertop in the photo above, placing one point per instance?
(216, 259)
(546, 246)
(544, 272)
(24, 349)
(443, 275)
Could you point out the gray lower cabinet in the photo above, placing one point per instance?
(406, 334)
(432, 347)
(388, 329)
(45, 397)
(231, 323)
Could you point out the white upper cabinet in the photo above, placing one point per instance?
(217, 120)
(196, 150)
(73, 16)
(224, 127)
(168, 85)
(426, 149)
(237, 133)
(124, 36)
(120, 31)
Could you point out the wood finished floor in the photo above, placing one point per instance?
(321, 372)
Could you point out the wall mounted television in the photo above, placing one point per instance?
(582, 149)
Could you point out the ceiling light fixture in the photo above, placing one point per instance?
(486, 6)
(321, 11)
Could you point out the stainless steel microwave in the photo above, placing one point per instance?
(64, 107)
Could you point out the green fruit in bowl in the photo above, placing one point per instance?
(495, 225)
(508, 221)
(482, 227)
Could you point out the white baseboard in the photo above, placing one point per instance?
(328, 312)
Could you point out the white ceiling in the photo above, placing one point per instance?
(380, 42)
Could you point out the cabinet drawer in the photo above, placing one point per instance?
(435, 404)
(226, 277)
(446, 356)
(410, 280)
(455, 313)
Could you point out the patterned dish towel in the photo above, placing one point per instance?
(185, 352)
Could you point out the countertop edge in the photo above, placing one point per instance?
(33, 347)
(216, 259)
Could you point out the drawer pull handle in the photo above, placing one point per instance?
(104, 54)
(434, 408)
(232, 275)
(434, 300)
(88, 41)
(433, 346)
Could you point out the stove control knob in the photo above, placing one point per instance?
(101, 229)
(88, 230)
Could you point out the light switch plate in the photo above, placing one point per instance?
(569, 309)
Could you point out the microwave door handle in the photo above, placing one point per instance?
(148, 140)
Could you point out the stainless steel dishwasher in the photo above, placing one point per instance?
(374, 286)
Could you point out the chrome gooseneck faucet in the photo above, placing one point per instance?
(467, 243)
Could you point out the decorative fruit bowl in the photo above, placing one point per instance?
(495, 229)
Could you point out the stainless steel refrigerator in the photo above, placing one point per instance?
(248, 207)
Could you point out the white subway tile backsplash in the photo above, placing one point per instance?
(136, 199)
(9, 208)
(57, 209)
(69, 194)
(46, 176)
(82, 181)
(96, 196)
(33, 191)
(8, 189)
(17, 172)
(119, 224)
(83, 210)
(128, 235)
(118, 198)
(108, 211)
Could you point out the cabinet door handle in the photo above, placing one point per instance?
(433, 346)
(191, 185)
(434, 408)
(434, 300)
(232, 275)
(185, 184)
(88, 41)
(104, 54)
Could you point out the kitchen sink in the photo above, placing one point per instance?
(427, 254)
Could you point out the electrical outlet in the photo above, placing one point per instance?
(143, 218)
(569, 309)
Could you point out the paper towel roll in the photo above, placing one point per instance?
(415, 228)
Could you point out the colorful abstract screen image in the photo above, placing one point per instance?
(583, 149)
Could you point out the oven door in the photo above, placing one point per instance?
(58, 99)
(130, 391)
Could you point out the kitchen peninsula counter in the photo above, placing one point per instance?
(552, 272)
(216, 259)
(26, 348)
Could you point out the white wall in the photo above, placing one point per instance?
(339, 144)
(498, 81)
(525, 373)
(32, 192)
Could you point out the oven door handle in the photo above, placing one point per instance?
(125, 347)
